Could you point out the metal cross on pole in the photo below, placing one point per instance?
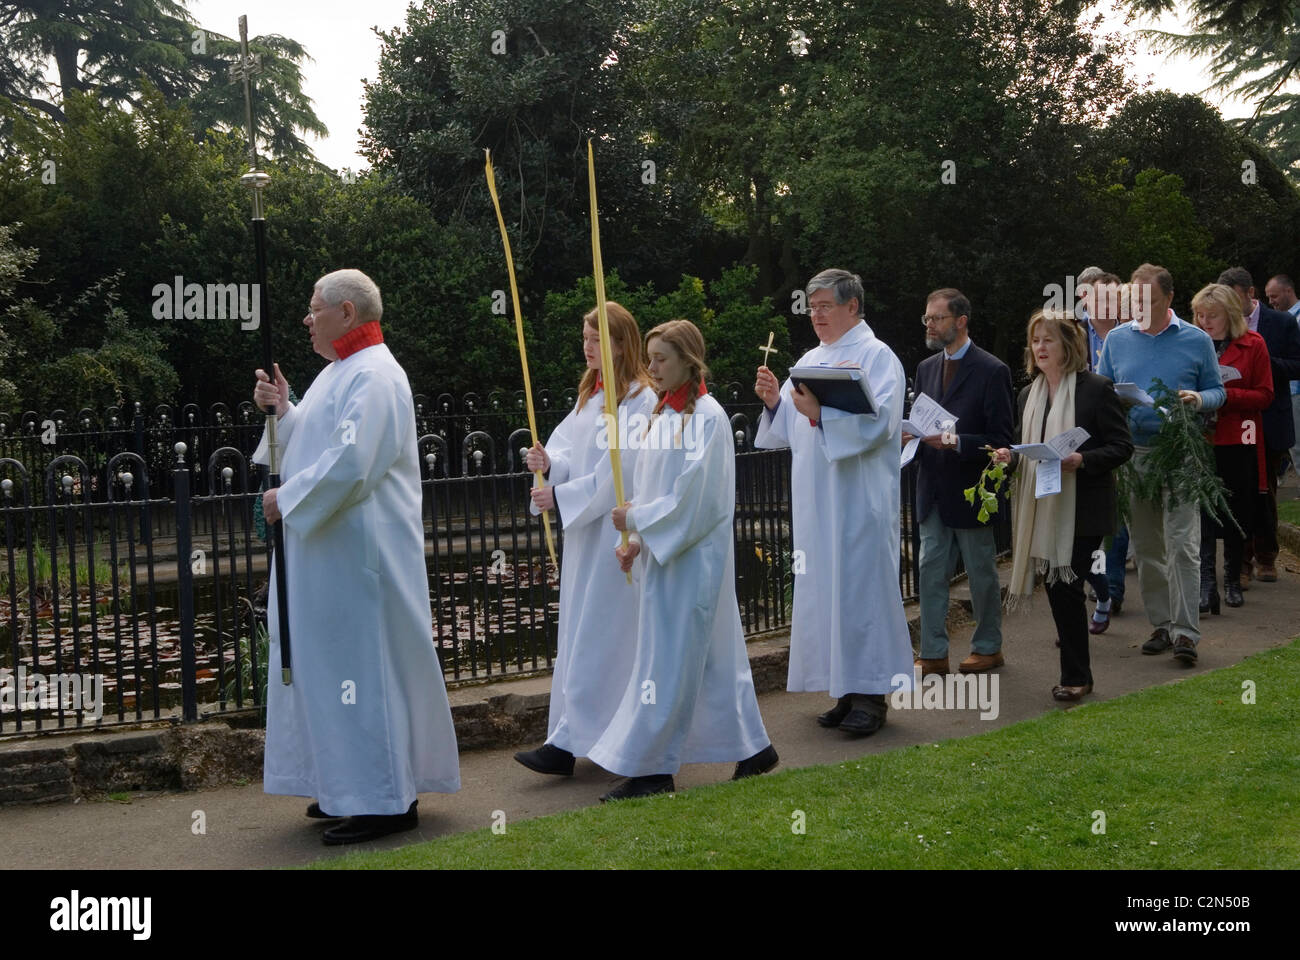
(247, 67)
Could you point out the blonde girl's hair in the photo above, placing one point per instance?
(630, 367)
(686, 339)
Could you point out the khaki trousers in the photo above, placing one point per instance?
(1167, 544)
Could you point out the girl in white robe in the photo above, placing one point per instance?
(598, 607)
(690, 697)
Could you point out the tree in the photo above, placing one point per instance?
(532, 80)
(1238, 194)
(14, 262)
(114, 51)
(132, 202)
(1220, 15)
(34, 356)
(1254, 50)
(920, 143)
(1155, 222)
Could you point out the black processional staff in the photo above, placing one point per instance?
(244, 69)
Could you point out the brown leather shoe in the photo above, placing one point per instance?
(1071, 694)
(1267, 573)
(938, 665)
(979, 662)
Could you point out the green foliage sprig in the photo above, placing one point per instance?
(995, 473)
(1180, 466)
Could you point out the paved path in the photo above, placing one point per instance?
(247, 828)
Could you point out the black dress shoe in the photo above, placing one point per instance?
(836, 714)
(867, 715)
(641, 787)
(547, 759)
(760, 762)
(368, 827)
(1159, 642)
(1185, 650)
(1232, 595)
(316, 813)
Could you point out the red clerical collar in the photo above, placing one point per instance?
(600, 384)
(677, 398)
(358, 338)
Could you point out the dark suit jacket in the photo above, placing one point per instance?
(1097, 408)
(980, 398)
(1282, 336)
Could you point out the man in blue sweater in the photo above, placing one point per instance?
(1166, 540)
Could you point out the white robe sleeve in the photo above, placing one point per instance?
(364, 445)
(283, 430)
(590, 497)
(844, 434)
(671, 524)
(559, 448)
(774, 430)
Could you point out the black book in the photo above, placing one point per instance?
(844, 388)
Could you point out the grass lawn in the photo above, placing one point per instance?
(1289, 511)
(1186, 775)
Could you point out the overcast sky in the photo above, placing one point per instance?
(345, 51)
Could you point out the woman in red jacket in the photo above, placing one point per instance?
(1238, 435)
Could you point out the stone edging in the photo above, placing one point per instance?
(229, 750)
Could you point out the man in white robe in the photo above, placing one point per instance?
(365, 724)
(848, 633)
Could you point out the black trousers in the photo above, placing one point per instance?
(1262, 546)
(1237, 465)
(1071, 615)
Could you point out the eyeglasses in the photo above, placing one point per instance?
(934, 321)
(314, 313)
(815, 308)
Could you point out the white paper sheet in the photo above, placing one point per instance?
(1048, 479)
(1131, 391)
(909, 451)
(1057, 448)
(1229, 373)
(928, 418)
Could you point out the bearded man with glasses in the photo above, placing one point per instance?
(975, 387)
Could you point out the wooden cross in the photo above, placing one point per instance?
(769, 349)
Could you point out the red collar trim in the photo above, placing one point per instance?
(677, 398)
(600, 384)
(357, 339)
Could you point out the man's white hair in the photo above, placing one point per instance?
(352, 285)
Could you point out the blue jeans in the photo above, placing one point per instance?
(940, 548)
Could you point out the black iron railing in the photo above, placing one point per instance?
(132, 585)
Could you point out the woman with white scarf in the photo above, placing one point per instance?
(1060, 535)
